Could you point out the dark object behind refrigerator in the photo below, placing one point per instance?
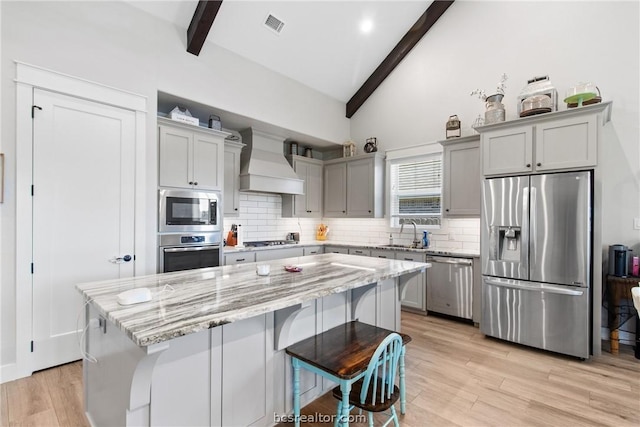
(619, 260)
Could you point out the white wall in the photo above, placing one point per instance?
(475, 42)
(260, 215)
(120, 46)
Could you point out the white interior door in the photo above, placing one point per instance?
(83, 213)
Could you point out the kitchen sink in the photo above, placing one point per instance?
(399, 246)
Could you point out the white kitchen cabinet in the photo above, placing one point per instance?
(354, 187)
(335, 190)
(231, 195)
(247, 360)
(548, 142)
(360, 251)
(313, 250)
(239, 258)
(461, 177)
(414, 297)
(566, 143)
(382, 253)
(272, 254)
(309, 204)
(336, 249)
(190, 157)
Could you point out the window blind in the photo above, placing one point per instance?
(416, 190)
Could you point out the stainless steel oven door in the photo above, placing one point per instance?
(189, 211)
(188, 252)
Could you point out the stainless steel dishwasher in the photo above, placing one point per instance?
(450, 286)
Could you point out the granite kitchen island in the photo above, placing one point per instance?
(208, 349)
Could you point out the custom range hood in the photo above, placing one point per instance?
(263, 167)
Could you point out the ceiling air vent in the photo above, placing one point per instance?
(274, 24)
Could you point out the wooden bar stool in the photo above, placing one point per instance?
(376, 391)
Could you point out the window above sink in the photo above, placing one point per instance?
(415, 193)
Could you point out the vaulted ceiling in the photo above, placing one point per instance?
(322, 44)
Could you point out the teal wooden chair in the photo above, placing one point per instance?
(376, 391)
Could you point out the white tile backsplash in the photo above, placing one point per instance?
(261, 217)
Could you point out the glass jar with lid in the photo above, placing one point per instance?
(538, 86)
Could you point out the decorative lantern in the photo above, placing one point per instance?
(371, 146)
(349, 149)
(453, 127)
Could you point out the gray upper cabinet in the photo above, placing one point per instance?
(190, 157)
(547, 142)
(308, 204)
(354, 187)
(335, 190)
(231, 197)
(461, 177)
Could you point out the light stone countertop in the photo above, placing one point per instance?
(187, 302)
(469, 253)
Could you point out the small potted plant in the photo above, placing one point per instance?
(496, 97)
(494, 108)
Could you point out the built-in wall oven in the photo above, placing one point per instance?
(188, 251)
(190, 229)
(189, 211)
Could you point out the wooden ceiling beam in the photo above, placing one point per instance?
(201, 23)
(413, 36)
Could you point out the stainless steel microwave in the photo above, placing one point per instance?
(186, 210)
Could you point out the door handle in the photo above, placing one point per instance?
(520, 285)
(121, 259)
(454, 261)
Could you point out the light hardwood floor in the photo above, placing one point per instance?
(455, 377)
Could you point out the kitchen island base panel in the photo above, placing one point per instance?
(207, 378)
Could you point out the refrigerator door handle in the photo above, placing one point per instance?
(533, 228)
(513, 284)
(525, 232)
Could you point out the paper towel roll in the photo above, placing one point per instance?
(240, 238)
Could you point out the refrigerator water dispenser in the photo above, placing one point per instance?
(507, 242)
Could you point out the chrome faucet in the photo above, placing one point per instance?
(415, 242)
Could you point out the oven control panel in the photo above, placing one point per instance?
(192, 239)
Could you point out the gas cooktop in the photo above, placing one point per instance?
(269, 243)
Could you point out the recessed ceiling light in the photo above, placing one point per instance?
(366, 26)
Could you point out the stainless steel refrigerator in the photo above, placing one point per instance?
(536, 248)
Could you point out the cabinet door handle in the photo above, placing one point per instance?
(446, 210)
(528, 165)
(235, 209)
(369, 211)
(195, 183)
(539, 164)
(240, 259)
(382, 256)
(344, 211)
(190, 182)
